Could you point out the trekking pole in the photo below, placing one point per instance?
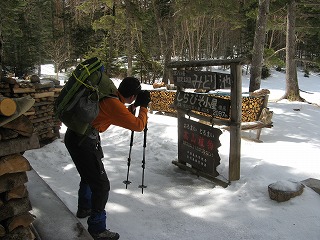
(127, 182)
(142, 186)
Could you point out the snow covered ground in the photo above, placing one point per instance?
(179, 205)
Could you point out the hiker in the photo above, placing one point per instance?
(86, 153)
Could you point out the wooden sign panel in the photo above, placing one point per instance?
(201, 79)
(217, 107)
(198, 145)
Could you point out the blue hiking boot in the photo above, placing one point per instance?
(105, 235)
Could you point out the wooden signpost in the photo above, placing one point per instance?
(198, 143)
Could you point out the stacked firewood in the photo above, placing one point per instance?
(41, 114)
(16, 136)
(252, 105)
(251, 108)
(162, 101)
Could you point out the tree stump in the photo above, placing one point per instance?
(282, 191)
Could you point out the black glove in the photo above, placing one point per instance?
(142, 99)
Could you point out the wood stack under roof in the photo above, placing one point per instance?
(41, 114)
(16, 136)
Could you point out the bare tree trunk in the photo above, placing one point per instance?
(201, 21)
(271, 39)
(190, 40)
(129, 22)
(292, 88)
(57, 53)
(165, 30)
(1, 52)
(111, 42)
(258, 46)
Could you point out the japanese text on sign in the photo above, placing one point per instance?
(198, 144)
(202, 79)
(217, 107)
(200, 138)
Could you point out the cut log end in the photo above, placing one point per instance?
(7, 107)
(282, 191)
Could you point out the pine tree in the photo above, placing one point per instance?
(10, 13)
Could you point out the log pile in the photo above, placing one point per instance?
(162, 101)
(16, 136)
(15, 218)
(252, 105)
(251, 108)
(41, 114)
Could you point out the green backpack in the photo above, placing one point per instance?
(78, 102)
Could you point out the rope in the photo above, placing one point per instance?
(86, 85)
(84, 66)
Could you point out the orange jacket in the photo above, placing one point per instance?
(113, 111)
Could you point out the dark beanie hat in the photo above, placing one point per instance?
(129, 86)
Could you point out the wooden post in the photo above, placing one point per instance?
(235, 126)
(179, 115)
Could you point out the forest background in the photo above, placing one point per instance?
(140, 37)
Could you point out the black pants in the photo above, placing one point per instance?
(86, 154)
